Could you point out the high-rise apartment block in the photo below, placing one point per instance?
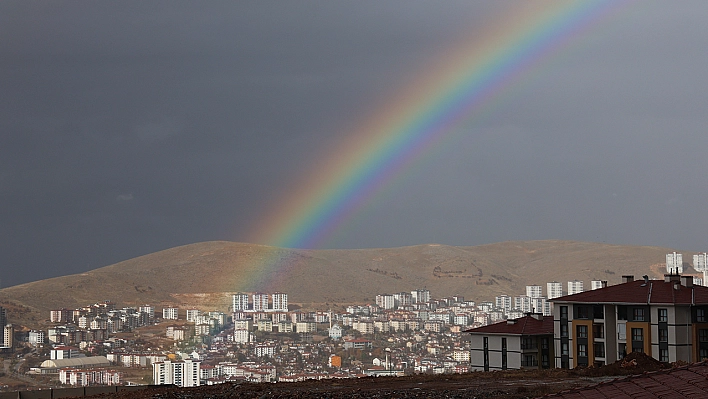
(534, 291)
(260, 302)
(385, 301)
(420, 296)
(170, 313)
(239, 302)
(183, 373)
(700, 262)
(674, 263)
(554, 289)
(8, 336)
(280, 302)
(503, 302)
(575, 287)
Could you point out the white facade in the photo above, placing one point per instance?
(700, 262)
(385, 301)
(242, 336)
(170, 313)
(674, 263)
(280, 302)
(260, 302)
(503, 302)
(192, 315)
(420, 296)
(8, 336)
(239, 302)
(183, 373)
(575, 287)
(534, 291)
(523, 303)
(554, 289)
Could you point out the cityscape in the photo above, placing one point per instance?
(263, 338)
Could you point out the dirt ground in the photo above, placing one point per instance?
(513, 384)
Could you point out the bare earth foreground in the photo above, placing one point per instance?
(507, 384)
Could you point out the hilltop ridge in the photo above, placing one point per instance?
(205, 274)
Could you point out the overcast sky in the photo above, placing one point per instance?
(131, 127)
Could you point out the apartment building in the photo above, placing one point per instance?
(534, 291)
(674, 263)
(575, 287)
(169, 313)
(183, 373)
(526, 342)
(280, 302)
(554, 289)
(700, 262)
(666, 319)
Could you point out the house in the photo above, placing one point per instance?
(666, 319)
(526, 342)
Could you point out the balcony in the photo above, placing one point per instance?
(529, 363)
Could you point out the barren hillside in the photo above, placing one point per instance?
(205, 274)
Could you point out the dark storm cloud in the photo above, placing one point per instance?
(132, 127)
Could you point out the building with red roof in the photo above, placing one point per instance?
(526, 342)
(666, 319)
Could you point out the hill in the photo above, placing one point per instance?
(204, 275)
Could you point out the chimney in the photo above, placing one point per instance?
(672, 277)
(511, 321)
(687, 281)
(537, 316)
(604, 283)
(627, 279)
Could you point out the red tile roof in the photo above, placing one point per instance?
(685, 382)
(638, 292)
(526, 325)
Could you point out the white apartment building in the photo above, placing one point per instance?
(534, 291)
(385, 301)
(183, 373)
(420, 296)
(147, 309)
(260, 302)
(554, 290)
(239, 302)
(403, 299)
(36, 337)
(700, 262)
(192, 315)
(8, 336)
(280, 302)
(674, 263)
(503, 302)
(335, 332)
(242, 336)
(523, 303)
(170, 313)
(575, 287)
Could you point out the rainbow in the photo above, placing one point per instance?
(467, 83)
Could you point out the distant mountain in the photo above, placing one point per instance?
(204, 275)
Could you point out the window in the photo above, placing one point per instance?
(638, 314)
(564, 330)
(582, 350)
(598, 312)
(564, 312)
(582, 331)
(663, 355)
(700, 315)
(703, 335)
(598, 331)
(663, 315)
(544, 343)
(663, 335)
(582, 312)
(599, 348)
(621, 313)
(637, 334)
(486, 342)
(564, 348)
(503, 343)
(703, 353)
